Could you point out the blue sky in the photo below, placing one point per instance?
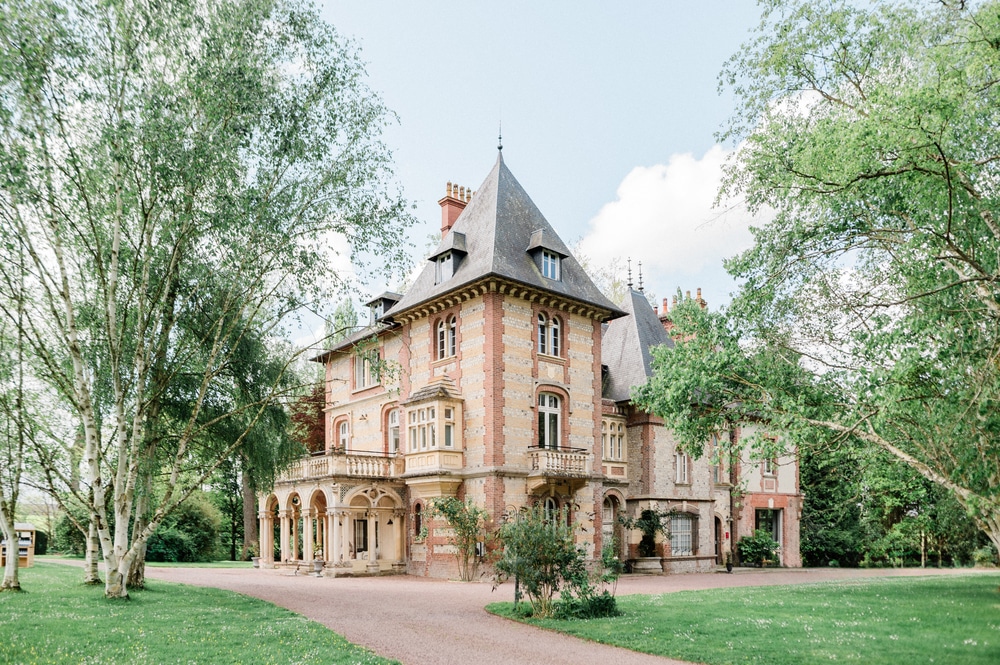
(609, 112)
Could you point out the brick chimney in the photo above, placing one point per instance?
(452, 205)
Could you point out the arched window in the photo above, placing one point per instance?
(604, 440)
(392, 431)
(418, 520)
(551, 507)
(549, 335)
(543, 334)
(549, 414)
(447, 332)
(343, 434)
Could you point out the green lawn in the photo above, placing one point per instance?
(954, 619)
(59, 620)
(160, 564)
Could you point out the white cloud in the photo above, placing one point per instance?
(664, 217)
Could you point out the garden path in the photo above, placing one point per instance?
(420, 621)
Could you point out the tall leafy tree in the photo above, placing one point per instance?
(868, 310)
(171, 171)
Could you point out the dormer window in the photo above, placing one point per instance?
(550, 265)
(445, 267)
(448, 256)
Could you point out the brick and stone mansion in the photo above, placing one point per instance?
(508, 384)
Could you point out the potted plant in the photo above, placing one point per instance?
(252, 553)
(650, 522)
(728, 558)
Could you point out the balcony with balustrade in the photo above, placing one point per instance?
(564, 465)
(340, 464)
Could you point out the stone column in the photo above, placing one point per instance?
(345, 540)
(284, 549)
(307, 534)
(372, 554)
(266, 531)
(333, 552)
(399, 532)
(295, 536)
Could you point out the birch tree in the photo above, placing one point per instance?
(868, 309)
(173, 173)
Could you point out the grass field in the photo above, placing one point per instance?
(160, 564)
(59, 620)
(954, 619)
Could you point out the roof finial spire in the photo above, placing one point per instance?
(629, 283)
(640, 277)
(500, 137)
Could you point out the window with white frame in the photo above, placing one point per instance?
(550, 264)
(681, 463)
(393, 431)
(422, 434)
(613, 440)
(447, 334)
(682, 535)
(343, 434)
(449, 427)
(366, 369)
(769, 467)
(549, 414)
(718, 462)
(445, 267)
(549, 337)
(551, 507)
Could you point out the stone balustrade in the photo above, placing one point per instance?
(357, 465)
(562, 462)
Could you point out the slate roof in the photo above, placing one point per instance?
(626, 343)
(500, 224)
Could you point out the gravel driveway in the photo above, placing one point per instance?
(429, 622)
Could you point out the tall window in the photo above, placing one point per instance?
(366, 369)
(343, 434)
(393, 431)
(549, 335)
(418, 520)
(447, 330)
(613, 440)
(449, 427)
(551, 507)
(548, 420)
(422, 432)
(769, 466)
(550, 264)
(681, 535)
(681, 461)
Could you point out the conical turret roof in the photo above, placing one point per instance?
(626, 344)
(498, 234)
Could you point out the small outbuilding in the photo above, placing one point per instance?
(25, 545)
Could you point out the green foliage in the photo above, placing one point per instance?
(758, 548)
(165, 623)
(190, 533)
(468, 523)
(985, 556)
(949, 619)
(865, 314)
(650, 523)
(172, 173)
(538, 551)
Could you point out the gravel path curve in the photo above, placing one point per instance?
(418, 621)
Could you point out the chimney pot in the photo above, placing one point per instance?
(699, 293)
(665, 309)
(688, 295)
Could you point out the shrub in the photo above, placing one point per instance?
(170, 544)
(758, 548)
(985, 556)
(468, 522)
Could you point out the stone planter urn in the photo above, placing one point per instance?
(647, 564)
(317, 565)
(256, 561)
